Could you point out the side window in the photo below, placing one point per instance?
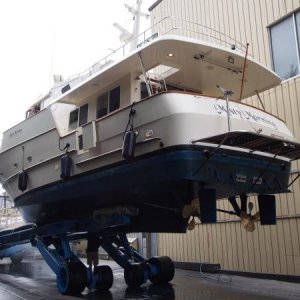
(78, 117)
(73, 120)
(83, 114)
(102, 105)
(114, 99)
(108, 102)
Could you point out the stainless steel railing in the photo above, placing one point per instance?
(167, 26)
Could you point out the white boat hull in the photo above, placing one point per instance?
(164, 123)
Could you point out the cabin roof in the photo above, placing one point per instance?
(202, 67)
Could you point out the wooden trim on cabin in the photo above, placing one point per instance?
(213, 98)
(186, 93)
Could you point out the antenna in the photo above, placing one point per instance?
(134, 11)
(244, 70)
(126, 36)
(52, 57)
(137, 14)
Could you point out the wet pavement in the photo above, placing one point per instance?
(34, 280)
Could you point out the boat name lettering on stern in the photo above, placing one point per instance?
(15, 132)
(244, 114)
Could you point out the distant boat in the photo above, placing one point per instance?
(9, 217)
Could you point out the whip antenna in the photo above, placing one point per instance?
(244, 68)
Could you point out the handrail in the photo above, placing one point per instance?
(223, 38)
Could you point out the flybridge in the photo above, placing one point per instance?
(172, 26)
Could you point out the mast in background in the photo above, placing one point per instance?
(126, 36)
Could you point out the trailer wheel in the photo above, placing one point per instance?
(165, 268)
(104, 277)
(134, 275)
(71, 278)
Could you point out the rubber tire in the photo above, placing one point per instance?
(16, 259)
(134, 275)
(105, 279)
(71, 278)
(166, 269)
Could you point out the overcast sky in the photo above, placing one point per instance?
(40, 38)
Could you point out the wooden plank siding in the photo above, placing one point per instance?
(270, 249)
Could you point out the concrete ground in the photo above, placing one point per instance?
(34, 280)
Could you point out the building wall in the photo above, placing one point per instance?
(270, 249)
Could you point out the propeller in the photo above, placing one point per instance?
(192, 224)
(247, 220)
(187, 211)
(250, 227)
(191, 210)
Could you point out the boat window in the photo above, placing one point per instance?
(78, 117)
(33, 110)
(108, 102)
(83, 114)
(73, 119)
(144, 91)
(114, 99)
(80, 142)
(65, 88)
(102, 104)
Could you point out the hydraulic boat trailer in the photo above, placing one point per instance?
(72, 276)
